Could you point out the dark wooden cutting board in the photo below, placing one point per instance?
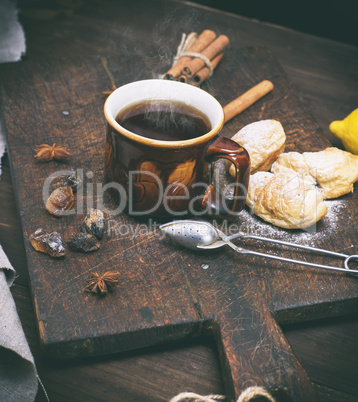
(167, 293)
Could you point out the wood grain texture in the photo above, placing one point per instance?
(164, 294)
(323, 335)
(159, 373)
(325, 73)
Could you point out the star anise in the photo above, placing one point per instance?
(101, 284)
(46, 153)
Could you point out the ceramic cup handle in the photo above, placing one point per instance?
(214, 201)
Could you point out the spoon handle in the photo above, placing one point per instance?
(310, 264)
(285, 243)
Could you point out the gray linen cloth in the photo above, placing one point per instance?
(18, 376)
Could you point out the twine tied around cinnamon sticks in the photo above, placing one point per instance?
(197, 57)
(246, 396)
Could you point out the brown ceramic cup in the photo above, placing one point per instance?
(170, 178)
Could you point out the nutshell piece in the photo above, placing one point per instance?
(49, 243)
(60, 201)
(286, 199)
(74, 180)
(83, 242)
(46, 153)
(94, 223)
(264, 140)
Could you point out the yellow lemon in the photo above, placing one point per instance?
(347, 131)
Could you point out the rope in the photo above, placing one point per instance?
(191, 396)
(245, 396)
(251, 392)
(185, 43)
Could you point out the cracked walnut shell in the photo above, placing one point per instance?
(60, 201)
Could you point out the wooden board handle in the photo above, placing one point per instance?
(254, 352)
(248, 98)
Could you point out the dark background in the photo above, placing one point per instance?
(337, 20)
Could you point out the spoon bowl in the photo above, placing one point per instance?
(201, 235)
(193, 234)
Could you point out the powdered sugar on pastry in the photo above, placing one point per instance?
(335, 170)
(286, 199)
(292, 195)
(290, 160)
(293, 161)
(258, 182)
(264, 140)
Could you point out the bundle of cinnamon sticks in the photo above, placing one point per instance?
(193, 69)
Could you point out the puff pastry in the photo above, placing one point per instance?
(334, 170)
(285, 199)
(293, 162)
(264, 140)
(290, 160)
(258, 182)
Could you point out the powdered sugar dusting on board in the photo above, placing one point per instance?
(249, 223)
(334, 208)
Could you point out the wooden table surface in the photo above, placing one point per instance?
(325, 74)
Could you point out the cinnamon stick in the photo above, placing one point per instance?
(182, 78)
(248, 98)
(216, 47)
(202, 41)
(204, 73)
